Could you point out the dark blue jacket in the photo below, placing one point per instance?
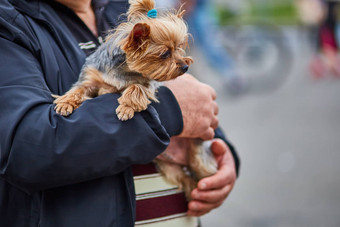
(74, 171)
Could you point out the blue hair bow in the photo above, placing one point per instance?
(152, 13)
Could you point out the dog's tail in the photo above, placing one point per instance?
(140, 8)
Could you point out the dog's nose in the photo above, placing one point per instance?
(184, 68)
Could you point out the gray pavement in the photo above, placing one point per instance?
(289, 144)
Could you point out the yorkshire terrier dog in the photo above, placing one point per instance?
(133, 61)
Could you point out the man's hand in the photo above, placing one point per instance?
(212, 191)
(198, 106)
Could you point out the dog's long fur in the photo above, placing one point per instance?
(133, 60)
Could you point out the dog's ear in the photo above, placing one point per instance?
(138, 39)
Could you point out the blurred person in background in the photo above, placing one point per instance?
(310, 13)
(327, 43)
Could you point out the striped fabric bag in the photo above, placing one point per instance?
(159, 204)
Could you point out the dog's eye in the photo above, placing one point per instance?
(166, 54)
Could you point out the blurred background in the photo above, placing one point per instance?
(275, 67)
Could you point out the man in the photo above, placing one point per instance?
(76, 171)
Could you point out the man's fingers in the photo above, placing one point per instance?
(198, 106)
(209, 134)
(214, 182)
(214, 122)
(226, 169)
(212, 191)
(212, 196)
(215, 108)
(218, 147)
(196, 213)
(211, 90)
(197, 208)
(218, 180)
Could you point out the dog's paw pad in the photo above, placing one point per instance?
(63, 109)
(124, 113)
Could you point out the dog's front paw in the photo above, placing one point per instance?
(124, 113)
(63, 109)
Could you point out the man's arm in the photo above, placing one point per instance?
(40, 149)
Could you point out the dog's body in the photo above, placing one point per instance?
(105, 72)
(132, 61)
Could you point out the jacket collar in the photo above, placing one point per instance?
(37, 9)
(32, 7)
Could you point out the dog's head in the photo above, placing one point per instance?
(154, 45)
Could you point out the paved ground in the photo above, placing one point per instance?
(289, 144)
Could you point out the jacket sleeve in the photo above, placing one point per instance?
(40, 149)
